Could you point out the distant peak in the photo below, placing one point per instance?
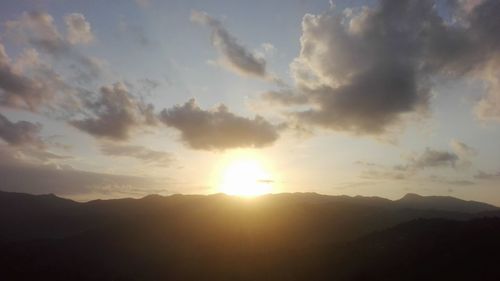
(49, 196)
(153, 196)
(410, 196)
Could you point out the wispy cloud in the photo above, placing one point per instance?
(144, 154)
(42, 178)
(234, 55)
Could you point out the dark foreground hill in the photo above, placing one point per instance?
(274, 237)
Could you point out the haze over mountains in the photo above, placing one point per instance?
(302, 236)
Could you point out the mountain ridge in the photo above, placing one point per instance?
(405, 198)
(220, 237)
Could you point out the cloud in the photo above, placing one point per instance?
(265, 50)
(450, 181)
(26, 83)
(144, 154)
(463, 149)
(30, 155)
(285, 97)
(234, 55)
(431, 158)
(38, 30)
(29, 84)
(20, 133)
(25, 144)
(384, 174)
(39, 178)
(483, 23)
(114, 114)
(458, 158)
(464, 152)
(143, 3)
(218, 129)
(78, 29)
(461, 182)
(135, 33)
(481, 175)
(365, 70)
(365, 163)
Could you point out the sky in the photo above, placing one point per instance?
(111, 99)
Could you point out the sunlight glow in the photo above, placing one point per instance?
(245, 177)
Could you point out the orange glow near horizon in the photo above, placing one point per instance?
(245, 176)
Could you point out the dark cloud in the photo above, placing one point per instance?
(431, 158)
(234, 55)
(144, 154)
(350, 108)
(20, 133)
(27, 84)
(218, 128)
(114, 113)
(459, 158)
(25, 144)
(363, 70)
(481, 175)
(63, 180)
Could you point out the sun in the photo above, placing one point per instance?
(245, 177)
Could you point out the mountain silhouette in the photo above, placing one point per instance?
(300, 236)
(415, 201)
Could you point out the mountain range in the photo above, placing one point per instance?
(299, 236)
